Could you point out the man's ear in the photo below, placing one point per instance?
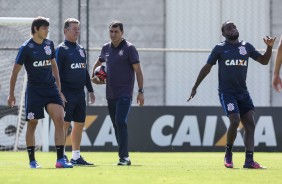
(36, 29)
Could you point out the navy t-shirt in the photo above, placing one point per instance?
(71, 61)
(120, 73)
(37, 61)
(233, 62)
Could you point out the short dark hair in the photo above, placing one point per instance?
(69, 21)
(224, 24)
(38, 22)
(116, 24)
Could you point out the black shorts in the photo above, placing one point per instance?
(37, 98)
(236, 102)
(75, 107)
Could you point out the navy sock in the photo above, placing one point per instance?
(60, 152)
(228, 149)
(30, 151)
(249, 156)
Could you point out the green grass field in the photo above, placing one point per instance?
(146, 168)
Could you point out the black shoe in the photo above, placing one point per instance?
(80, 161)
(124, 161)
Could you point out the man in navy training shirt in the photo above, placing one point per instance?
(122, 64)
(71, 61)
(233, 57)
(37, 54)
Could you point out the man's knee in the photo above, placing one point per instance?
(32, 124)
(250, 126)
(234, 119)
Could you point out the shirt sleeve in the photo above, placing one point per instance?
(53, 50)
(22, 56)
(254, 54)
(60, 56)
(133, 55)
(88, 82)
(213, 57)
(102, 55)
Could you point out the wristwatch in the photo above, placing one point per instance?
(141, 91)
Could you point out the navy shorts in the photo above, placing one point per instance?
(37, 98)
(75, 107)
(236, 102)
